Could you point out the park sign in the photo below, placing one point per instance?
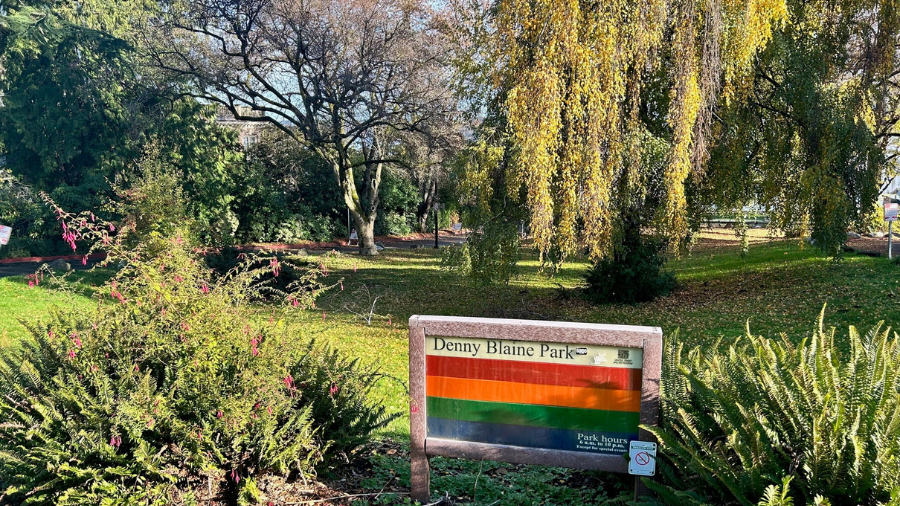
(5, 233)
(530, 392)
(891, 211)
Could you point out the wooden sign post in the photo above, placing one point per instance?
(529, 392)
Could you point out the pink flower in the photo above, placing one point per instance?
(77, 341)
(150, 423)
(84, 260)
(289, 381)
(342, 286)
(30, 283)
(178, 279)
(275, 267)
(354, 267)
(389, 321)
(200, 435)
(92, 217)
(185, 326)
(112, 228)
(253, 349)
(323, 316)
(50, 333)
(219, 414)
(269, 409)
(71, 353)
(136, 368)
(204, 289)
(333, 390)
(115, 441)
(235, 476)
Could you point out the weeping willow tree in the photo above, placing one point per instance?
(573, 74)
(789, 104)
(813, 137)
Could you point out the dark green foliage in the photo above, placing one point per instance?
(64, 107)
(171, 375)
(772, 422)
(287, 194)
(77, 111)
(633, 274)
(397, 207)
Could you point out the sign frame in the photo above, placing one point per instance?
(648, 339)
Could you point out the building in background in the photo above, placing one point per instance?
(248, 131)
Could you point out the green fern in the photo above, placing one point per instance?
(740, 424)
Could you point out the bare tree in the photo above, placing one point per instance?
(428, 159)
(347, 78)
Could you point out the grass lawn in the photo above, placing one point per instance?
(779, 287)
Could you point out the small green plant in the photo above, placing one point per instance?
(771, 422)
(488, 256)
(633, 274)
(172, 374)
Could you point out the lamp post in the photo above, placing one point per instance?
(436, 210)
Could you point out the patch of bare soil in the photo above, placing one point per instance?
(873, 246)
(716, 238)
(342, 487)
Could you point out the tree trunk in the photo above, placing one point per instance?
(365, 229)
(422, 217)
(425, 206)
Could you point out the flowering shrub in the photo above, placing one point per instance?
(173, 374)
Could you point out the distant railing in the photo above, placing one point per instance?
(731, 222)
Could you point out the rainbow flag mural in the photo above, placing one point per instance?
(533, 394)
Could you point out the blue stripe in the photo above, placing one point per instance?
(613, 443)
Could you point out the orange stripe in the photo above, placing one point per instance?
(530, 393)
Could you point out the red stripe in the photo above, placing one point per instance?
(539, 373)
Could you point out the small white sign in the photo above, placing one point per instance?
(5, 232)
(642, 458)
(891, 211)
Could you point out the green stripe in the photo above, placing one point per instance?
(533, 415)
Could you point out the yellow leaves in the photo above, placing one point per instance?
(749, 25)
(570, 69)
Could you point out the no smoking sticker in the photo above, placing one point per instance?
(642, 458)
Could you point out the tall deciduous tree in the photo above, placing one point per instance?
(572, 76)
(342, 77)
